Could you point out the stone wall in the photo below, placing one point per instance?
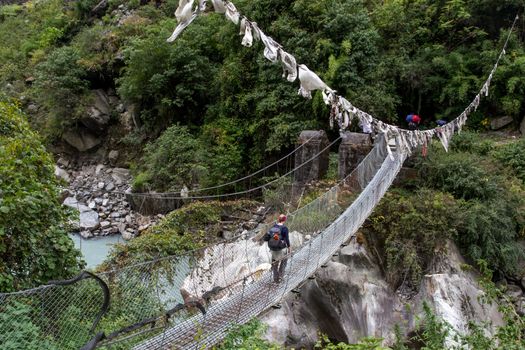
(353, 149)
(317, 168)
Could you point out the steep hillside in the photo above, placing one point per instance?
(99, 76)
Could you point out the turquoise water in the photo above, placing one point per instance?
(95, 249)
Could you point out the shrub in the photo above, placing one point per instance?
(187, 228)
(461, 174)
(29, 31)
(366, 343)
(60, 86)
(173, 160)
(488, 231)
(407, 228)
(471, 142)
(247, 336)
(492, 207)
(513, 156)
(19, 329)
(433, 330)
(35, 247)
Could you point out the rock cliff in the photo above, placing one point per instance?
(350, 299)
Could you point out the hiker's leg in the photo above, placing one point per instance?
(282, 267)
(275, 264)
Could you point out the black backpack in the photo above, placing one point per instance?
(275, 238)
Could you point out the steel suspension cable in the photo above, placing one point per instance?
(162, 196)
(249, 176)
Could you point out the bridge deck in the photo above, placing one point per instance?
(203, 331)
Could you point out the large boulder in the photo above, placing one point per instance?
(121, 175)
(350, 299)
(97, 116)
(500, 122)
(88, 218)
(113, 157)
(81, 139)
(347, 300)
(129, 117)
(62, 174)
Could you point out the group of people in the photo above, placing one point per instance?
(413, 121)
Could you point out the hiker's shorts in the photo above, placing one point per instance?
(278, 254)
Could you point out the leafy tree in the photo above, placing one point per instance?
(169, 82)
(513, 156)
(61, 78)
(34, 244)
(173, 160)
(488, 231)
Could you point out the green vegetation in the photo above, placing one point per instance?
(363, 344)
(408, 227)
(513, 156)
(475, 201)
(389, 58)
(60, 78)
(187, 228)
(34, 245)
(209, 109)
(491, 201)
(22, 330)
(247, 336)
(172, 160)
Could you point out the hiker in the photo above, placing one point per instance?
(413, 121)
(277, 238)
(441, 122)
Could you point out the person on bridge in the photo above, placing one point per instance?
(278, 240)
(413, 121)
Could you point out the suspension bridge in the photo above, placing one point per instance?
(230, 282)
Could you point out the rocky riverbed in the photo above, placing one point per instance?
(98, 192)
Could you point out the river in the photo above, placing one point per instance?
(95, 250)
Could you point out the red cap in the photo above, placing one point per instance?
(282, 218)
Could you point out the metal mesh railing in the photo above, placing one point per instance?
(256, 292)
(153, 303)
